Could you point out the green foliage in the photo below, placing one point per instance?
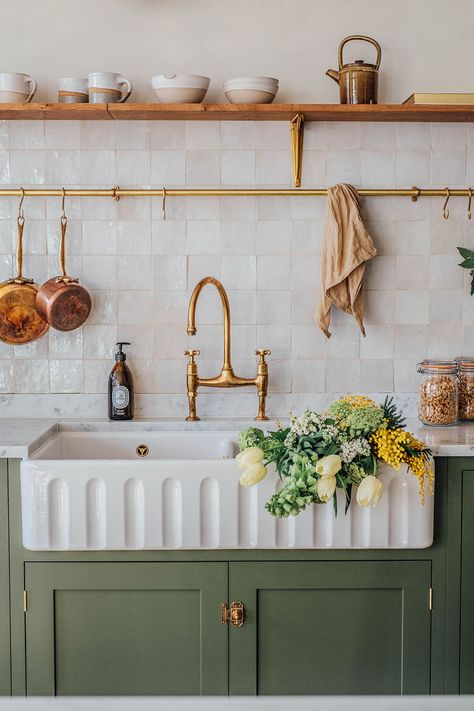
(251, 437)
(468, 263)
(391, 413)
(299, 491)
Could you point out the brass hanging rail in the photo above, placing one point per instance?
(117, 193)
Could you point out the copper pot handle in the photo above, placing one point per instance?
(365, 39)
(20, 279)
(65, 278)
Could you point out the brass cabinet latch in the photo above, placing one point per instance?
(235, 615)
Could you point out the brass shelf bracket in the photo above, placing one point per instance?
(296, 135)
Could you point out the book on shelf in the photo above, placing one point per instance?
(440, 99)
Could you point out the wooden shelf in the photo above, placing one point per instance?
(237, 112)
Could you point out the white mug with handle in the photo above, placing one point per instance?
(16, 88)
(107, 88)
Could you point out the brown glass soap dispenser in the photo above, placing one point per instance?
(121, 387)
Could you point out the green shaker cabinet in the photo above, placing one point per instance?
(466, 660)
(125, 628)
(5, 672)
(331, 628)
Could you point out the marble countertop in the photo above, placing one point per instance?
(20, 437)
(242, 703)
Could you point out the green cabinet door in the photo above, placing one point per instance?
(331, 628)
(466, 667)
(126, 628)
(5, 678)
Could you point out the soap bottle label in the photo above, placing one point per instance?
(120, 397)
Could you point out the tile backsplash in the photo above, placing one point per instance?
(141, 269)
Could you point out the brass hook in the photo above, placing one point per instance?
(445, 206)
(163, 204)
(63, 199)
(469, 214)
(21, 216)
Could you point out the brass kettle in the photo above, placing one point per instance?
(358, 81)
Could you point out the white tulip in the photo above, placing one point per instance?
(249, 456)
(369, 491)
(326, 487)
(329, 466)
(253, 474)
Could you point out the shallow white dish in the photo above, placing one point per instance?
(180, 88)
(249, 96)
(91, 491)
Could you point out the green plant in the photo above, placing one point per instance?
(468, 263)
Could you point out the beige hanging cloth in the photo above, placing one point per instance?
(346, 247)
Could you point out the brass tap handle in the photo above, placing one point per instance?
(261, 353)
(191, 355)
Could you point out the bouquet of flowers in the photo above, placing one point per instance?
(339, 448)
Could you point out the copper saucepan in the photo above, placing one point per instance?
(19, 320)
(62, 301)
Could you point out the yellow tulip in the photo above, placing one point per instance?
(326, 487)
(329, 466)
(249, 456)
(369, 491)
(253, 474)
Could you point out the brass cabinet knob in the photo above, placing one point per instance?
(235, 614)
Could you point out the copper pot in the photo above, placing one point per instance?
(19, 320)
(62, 301)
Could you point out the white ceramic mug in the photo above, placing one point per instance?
(16, 88)
(106, 88)
(73, 90)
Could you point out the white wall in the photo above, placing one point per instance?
(427, 44)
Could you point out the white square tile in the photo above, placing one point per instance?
(203, 208)
(315, 135)
(243, 303)
(96, 375)
(170, 306)
(99, 272)
(141, 339)
(7, 381)
(343, 166)
(168, 168)
(273, 271)
(411, 273)
(62, 134)
(201, 135)
(98, 167)
(406, 377)
(304, 272)
(238, 135)
(65, 345)
(239, 272)
(448, 167)
(411, 341)
(134, 272)
(136, 307)
(203, 237)
(343, 376)
(274, 307)
(4, 134)
(307, 342)
(378, 168)
(343, 135)
(238, 168)
(272, 135)
(168, 237)
(200, 266)
(63, 167)
(169, 272)
(413, 168)
(445, 272)
(413, 136)
(133, 237)
(97, 135)
(307, 376)
(376, 375)
(35, 350)
(306, 237)
(238, 237)
(273, 167)
(274, 237)
(170, 342)
(276, 338)
(31, 376)
(133, 167)
(411, 307)
(378, 342)
(344, 341)
(378, 136)
(446, 136)
(132, 135)
(303, 303)
(104, 308)
(66, 376)
(203, 168)
(380, 273)
(313, 171)
(167, 135)
(99, 341)
(136, 208)
(27, 134)
(241, 208)
(447, 234)
(99, 237)
(4, 167)
(379, 307)
(273, 208)
(27, 167)
(444, 340)
(446, 306)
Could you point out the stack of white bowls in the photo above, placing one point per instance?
(180, 88)
(251, 90)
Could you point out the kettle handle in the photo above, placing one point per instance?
(366, 39)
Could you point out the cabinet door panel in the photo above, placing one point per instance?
(466, 676)
(126, 628)
(331, 628)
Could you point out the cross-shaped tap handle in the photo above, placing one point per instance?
(191, 354)
(261, 353)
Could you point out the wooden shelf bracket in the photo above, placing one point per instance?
(296, 134)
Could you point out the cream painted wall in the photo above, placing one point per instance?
(427, 44)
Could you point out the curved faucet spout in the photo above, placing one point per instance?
(225, 307)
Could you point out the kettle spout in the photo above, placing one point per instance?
(333, 74)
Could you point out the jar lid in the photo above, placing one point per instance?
(466, 365)
(441, 367)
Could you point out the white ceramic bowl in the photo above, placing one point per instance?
(180, 88)
(251, 90)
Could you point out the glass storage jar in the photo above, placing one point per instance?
(438, 392)
(466, 389)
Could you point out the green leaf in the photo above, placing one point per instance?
(466, 253)
(467, 263)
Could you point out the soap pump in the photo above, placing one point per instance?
(121, 387)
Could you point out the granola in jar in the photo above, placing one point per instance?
(438, 392)
(466, 390)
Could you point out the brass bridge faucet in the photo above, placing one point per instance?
(227, 378)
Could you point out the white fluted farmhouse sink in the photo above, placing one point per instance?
(149, 490)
